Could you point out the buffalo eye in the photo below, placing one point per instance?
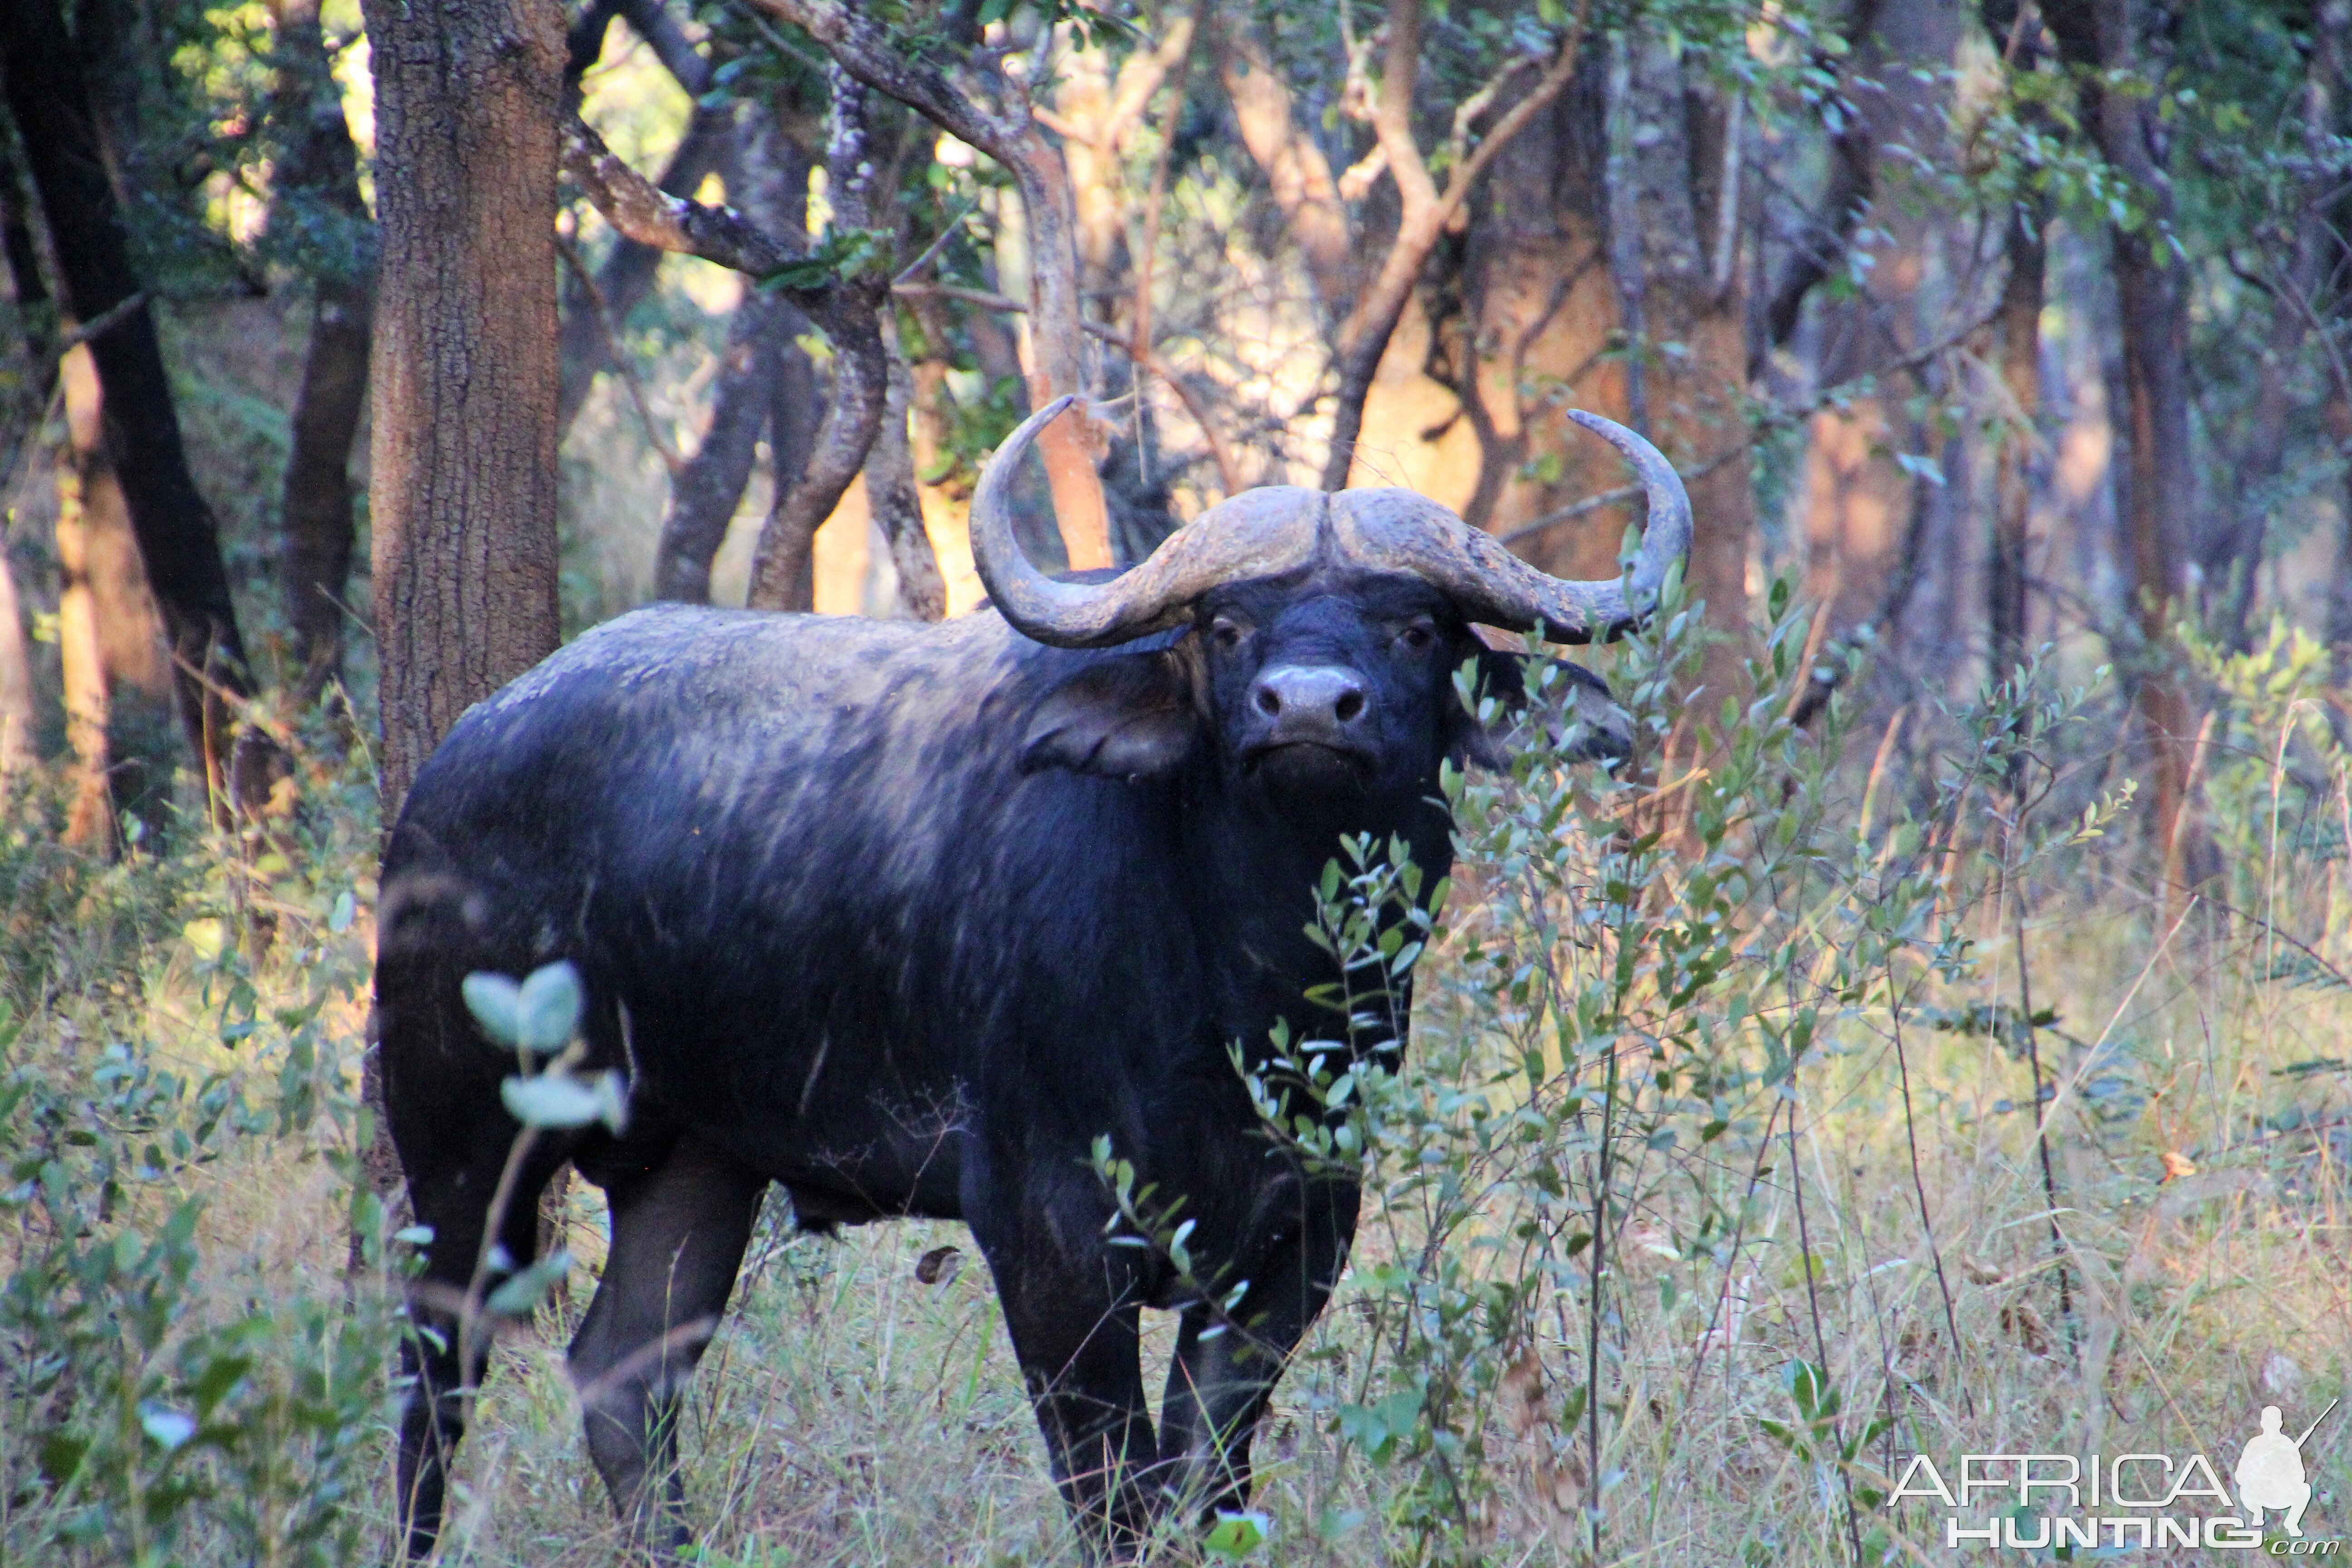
(1225, 635)
(1418, 636)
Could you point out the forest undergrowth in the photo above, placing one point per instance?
(1835, 1095)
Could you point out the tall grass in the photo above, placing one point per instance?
(1718, 1177)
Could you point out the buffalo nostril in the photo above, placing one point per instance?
(1350, 705)
(1269, 701)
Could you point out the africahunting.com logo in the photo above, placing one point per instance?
(2128, 1502)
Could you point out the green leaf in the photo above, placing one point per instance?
(1236, 1535)
(169, 1428)
(61, 1458)
(221, 1375)
(521, 1296)
(556, 1099)
(495, 1002)
(547, 1008)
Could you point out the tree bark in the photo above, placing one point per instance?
(1691, 344)
(320, 178)
(2097, 36)
(1363, 337)
(1541, 314)
(773, 177)
(783, 569)
(710, 484)
(2232, 556)
(1297, 173)
(1070, 447)
(463, 503)
(178, 540)
(2019, 325)
(897, 505)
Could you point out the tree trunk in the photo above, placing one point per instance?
(1424, 211)
(704, 496)
(36, 314)
(783, 568)
(773, 177)
(17, 713)
(2232, 556)
(628, 271)
(1297, 173)
(2097, 36)
(319, 181)
(1860, 504)
(1540, 315)
(897, 506)
(1691, 346)
(463, 504)
(178, 540)
(2020, 324)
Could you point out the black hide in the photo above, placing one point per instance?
(903, 918)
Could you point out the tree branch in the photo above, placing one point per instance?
(642, 211)
(1070, 448)
(1364, 337)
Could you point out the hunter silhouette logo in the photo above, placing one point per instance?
(2269, 1473)
(2128, 1501)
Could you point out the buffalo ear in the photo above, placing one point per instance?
(1128, 717)
(1576, 693)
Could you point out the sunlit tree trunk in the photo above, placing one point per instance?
(1540, 315)
(2152, 290)
(1687, 309)
(318, 189)
(2019, 325)
(178, 542)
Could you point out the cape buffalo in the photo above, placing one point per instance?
(902, 917)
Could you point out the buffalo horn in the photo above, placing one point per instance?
(1277, 529)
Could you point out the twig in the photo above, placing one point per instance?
(947, 232)
(1813, 1305)
(1919, 1183)
(105, 322)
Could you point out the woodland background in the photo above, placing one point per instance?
(351, 359)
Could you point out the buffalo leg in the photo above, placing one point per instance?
(678, 1235)
(443, 1356)
(1219, 1384)
(1075, 1334)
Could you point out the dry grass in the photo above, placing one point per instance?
(849, 1412)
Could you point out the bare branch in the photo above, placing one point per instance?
(1070, 448)
(642, 211)
(1364, 337)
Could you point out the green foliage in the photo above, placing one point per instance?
(147, 1416)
